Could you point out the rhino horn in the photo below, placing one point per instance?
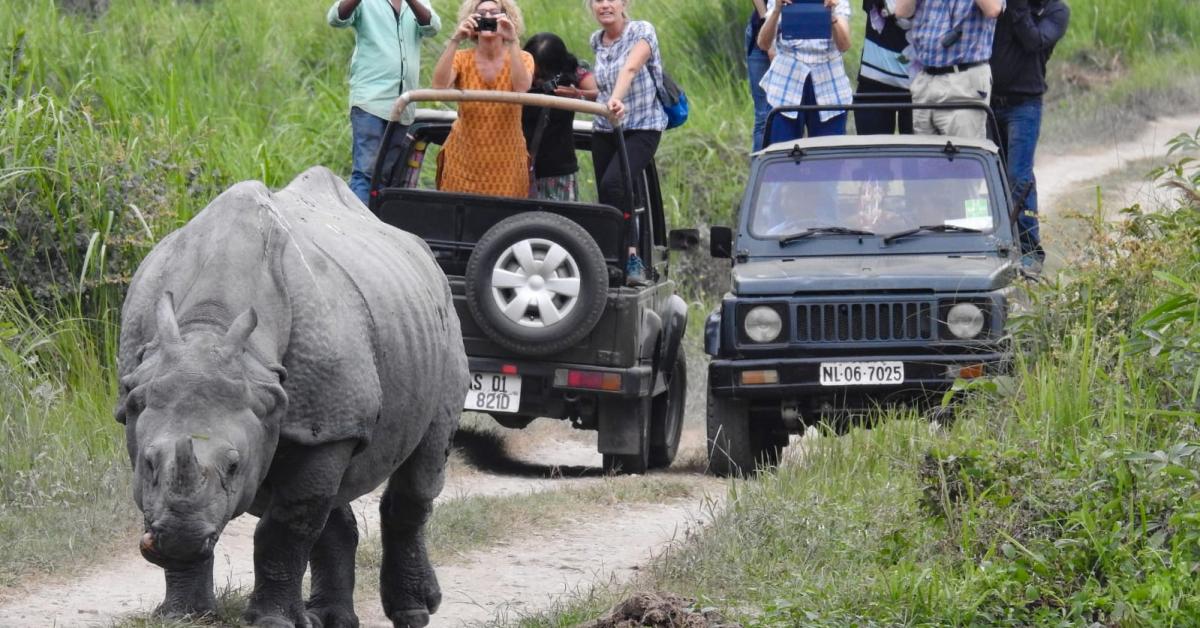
(168, 327)
(187, 471)
(239, 332)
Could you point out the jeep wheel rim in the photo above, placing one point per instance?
(535, 283)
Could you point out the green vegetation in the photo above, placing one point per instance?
(1063, 495)
(115, 130)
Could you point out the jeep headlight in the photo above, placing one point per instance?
(965, 320)
(763, 324)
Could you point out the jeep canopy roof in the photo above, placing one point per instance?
(878, 141)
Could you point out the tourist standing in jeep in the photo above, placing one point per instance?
(386, 63)
(628, 72)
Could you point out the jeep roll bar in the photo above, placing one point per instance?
(878, 102)
(527, 100)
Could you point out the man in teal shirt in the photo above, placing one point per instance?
(386, 63)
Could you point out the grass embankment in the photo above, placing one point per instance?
(114, 131)
(1064, 495)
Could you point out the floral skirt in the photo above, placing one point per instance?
(556, 188)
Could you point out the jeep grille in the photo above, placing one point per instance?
(873, 322)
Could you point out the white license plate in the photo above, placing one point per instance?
(861, 373)
(493, 392)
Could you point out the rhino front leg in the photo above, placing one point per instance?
(189, 591)
(408, 586)
(332, 563)
(303, 483)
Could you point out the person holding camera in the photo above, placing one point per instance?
(883, 72)
(757, 62)
(628, 72)
(485, 151)
(807, 71)
(386, 62)
(549, 133)
(952, 43)
(1025, 38)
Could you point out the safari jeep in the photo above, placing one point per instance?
(549, 323)
(866, 271)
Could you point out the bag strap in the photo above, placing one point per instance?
(536, 141)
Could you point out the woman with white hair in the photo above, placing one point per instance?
(485, 152)
(628, 71)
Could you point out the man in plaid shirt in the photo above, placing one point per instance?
(952, 43)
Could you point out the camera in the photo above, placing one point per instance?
(485, 24)
(549, 86)
(951, 37)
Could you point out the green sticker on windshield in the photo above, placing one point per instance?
(976, 208)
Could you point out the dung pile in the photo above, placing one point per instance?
(660, 611)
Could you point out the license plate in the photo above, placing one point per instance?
(493, 392)
(861, 373)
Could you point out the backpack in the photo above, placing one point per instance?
(674, 101)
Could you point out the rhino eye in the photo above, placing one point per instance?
(231, 467)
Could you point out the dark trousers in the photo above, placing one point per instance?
(640, 146)
(1020, 125)
(757, 64)
(882, 121)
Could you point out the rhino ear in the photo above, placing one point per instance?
(168, 327)
(239, 332)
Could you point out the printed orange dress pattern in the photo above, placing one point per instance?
(485, 152)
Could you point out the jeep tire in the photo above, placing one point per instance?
(666, 414)
(521, 303)
(736, 446)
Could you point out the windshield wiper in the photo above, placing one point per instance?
(788, 239)
(888, 239)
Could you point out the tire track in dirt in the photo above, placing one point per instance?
(1060, 174)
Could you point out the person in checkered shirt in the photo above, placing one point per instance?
(952, 44)
(807, 72)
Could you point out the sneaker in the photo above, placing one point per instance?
(635, 270)
(1031, 265)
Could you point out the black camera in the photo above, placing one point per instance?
(549, 86)
(485, 24)
(951, 37)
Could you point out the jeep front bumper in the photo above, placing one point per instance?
(798, 377)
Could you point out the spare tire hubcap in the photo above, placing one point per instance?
(535, 282)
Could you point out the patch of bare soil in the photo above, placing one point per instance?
(1061, 174)
(664, 610)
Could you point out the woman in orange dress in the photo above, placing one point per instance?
(485, 152)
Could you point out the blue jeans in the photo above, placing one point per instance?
(1020, 126)
(757, 63)
(366, 131)
(784, 129)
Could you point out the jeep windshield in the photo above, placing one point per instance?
(921, 196)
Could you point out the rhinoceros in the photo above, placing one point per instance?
(282, 354)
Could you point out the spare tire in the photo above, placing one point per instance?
(536, 283)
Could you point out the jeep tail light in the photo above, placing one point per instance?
(508, 369)
(758, 378)
(594, 380)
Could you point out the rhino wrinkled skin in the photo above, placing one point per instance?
(283, 354)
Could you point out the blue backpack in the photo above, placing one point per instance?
(673, 100)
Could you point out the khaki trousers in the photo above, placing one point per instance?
(971, 85)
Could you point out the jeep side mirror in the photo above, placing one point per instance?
(683, 239)
(720, 242)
